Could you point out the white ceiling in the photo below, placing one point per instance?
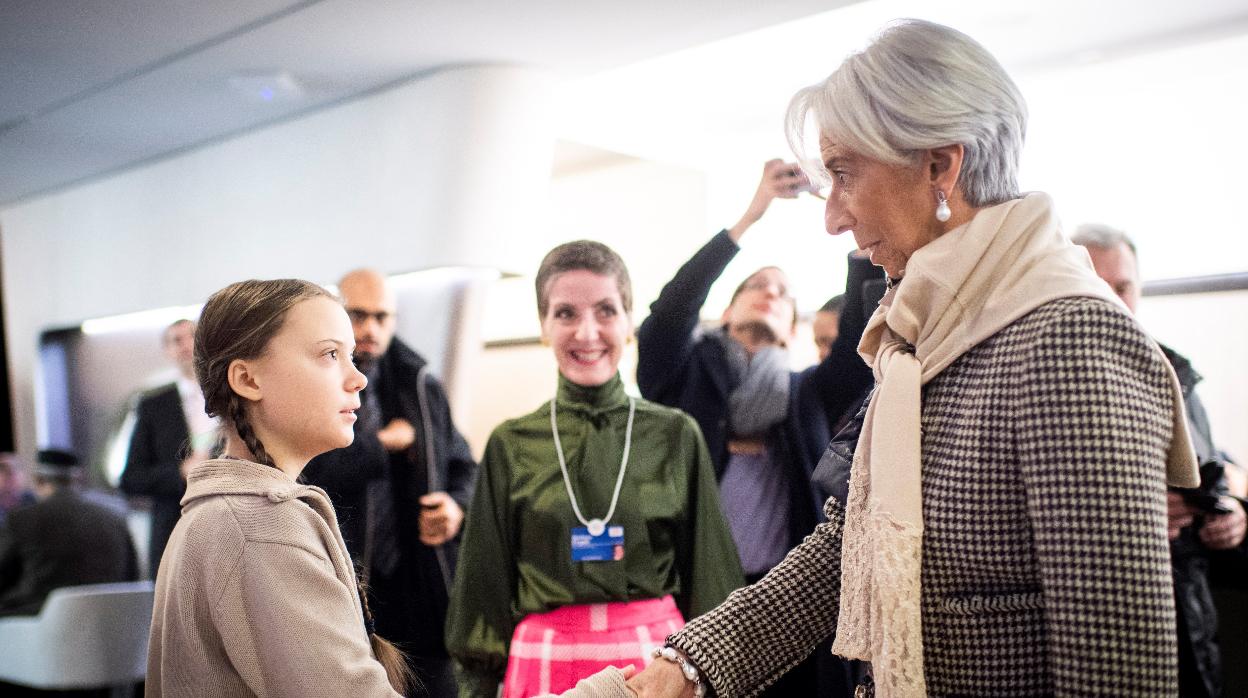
(688, 107)
(89, 87)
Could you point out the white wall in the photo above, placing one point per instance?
(1210, 330)
(1151, 144)
(451, 169)
(652, 214)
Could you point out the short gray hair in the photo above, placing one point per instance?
(1102, 237)
(922, 85)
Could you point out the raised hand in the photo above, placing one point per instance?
(780, 179)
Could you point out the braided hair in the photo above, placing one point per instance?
(398, 671)
(238, 322)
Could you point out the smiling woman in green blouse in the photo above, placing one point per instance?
(596, 527)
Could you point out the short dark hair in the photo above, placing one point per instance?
(56, 467)
(834, 304)
(587, 255)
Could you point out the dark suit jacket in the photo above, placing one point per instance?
(59, 542)
(409, 597)
(157, 447)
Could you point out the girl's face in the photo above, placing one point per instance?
(308, 386)
(586, 325)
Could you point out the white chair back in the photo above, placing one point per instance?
(91, 636)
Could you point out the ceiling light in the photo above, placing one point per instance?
(278, 86)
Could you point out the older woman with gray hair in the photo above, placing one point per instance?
(999, 526)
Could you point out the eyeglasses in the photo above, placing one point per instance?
(359, 316)
(760, 283)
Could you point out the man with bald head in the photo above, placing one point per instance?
(402, 486)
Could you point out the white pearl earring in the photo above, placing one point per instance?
(942, 207)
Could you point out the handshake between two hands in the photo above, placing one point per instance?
(661, 679)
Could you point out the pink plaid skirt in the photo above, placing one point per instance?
(551, 651)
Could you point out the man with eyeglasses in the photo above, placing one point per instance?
(401, 488)
(766, 426)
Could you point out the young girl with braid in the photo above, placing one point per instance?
(256, 594)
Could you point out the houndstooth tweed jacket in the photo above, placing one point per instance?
(1045, 563)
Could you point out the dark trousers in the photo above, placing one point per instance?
(798, 682)
(822, 675)
(436, 676)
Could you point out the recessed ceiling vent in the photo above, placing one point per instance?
(277, 86)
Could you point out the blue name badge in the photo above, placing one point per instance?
(606, 547)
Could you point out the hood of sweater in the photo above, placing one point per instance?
(231, 476)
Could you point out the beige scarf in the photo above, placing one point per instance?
(959, 290)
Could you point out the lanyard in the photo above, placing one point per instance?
(595, 526)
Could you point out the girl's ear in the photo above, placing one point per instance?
(242, 378)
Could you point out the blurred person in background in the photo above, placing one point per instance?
(13, 490)
(62, 540)
(1201, 521)
(826, 324)
(765, 424)
(400, 489)
(171, 433)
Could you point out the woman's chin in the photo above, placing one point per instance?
(588, 377)
(344, 439)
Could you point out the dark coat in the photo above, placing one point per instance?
(161, 440)
(1200, 662)
(377, 494)
(679, 367)
(62, 541)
